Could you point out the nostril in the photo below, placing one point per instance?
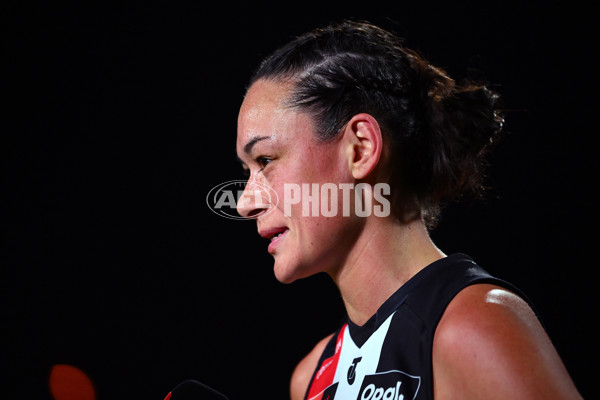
(252, 202)
(255, 213)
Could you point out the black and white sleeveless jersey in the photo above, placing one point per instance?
(390, 356)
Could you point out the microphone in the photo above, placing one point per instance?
(193, 390)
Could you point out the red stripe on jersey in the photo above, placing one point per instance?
(324, 376)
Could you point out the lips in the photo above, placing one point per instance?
(276, 235)
(271, 233)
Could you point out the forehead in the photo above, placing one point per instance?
(264, 112)
(265, 93)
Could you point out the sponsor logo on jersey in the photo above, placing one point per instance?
(391, 385)
(352, 370)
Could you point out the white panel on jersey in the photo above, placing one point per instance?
(355, 363)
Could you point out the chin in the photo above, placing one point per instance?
(285, 279)
(287, 272)
(284, 275)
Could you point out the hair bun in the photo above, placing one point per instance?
(463, 124)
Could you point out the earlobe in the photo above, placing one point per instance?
(365, 145)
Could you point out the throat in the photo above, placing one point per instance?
(378, 268)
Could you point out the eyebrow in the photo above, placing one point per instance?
(248, 147)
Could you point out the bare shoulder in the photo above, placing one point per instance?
(305, 369)
(490, 344)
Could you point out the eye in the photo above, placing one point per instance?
(263, 161)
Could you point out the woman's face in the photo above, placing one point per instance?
(277, 145)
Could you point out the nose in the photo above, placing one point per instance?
(254, 200)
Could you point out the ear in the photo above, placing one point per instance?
(364, 145)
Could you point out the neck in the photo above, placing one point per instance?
(386, 255)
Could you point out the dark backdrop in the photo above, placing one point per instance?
(120, 118)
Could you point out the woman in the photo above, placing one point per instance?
(349, 106)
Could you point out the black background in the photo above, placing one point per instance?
(119, 118)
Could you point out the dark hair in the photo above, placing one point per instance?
(438, 130)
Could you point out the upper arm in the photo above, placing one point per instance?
(305, 369)
(489, 344)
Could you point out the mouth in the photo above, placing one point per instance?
(275, 235)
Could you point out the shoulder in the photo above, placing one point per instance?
(305, 369)
(490, 343)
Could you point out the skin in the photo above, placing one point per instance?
(488, 344)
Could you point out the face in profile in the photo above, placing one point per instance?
(277, 146)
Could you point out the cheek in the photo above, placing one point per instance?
(313, 189)
(321, 243)
(325, 164)
(318, 163)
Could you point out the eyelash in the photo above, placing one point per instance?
(261, 161)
